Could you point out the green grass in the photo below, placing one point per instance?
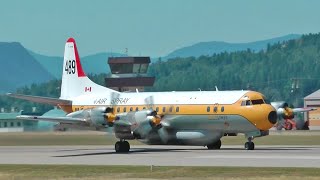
(89, 138)
(124, 172)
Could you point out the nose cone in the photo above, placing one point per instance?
(272, 117)
(263, 116)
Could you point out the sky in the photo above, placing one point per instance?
(150, 27)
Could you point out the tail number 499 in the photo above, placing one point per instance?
(70, 67)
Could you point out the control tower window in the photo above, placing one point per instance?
(121, 68)
(140, 68)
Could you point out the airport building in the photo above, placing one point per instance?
(129, 74)
(9, 123)
(313, 117)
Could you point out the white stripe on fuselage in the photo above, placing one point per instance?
(193, 97)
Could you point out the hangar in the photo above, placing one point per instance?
(313, 117)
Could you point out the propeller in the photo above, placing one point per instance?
(155, 121)
(287, 112)
(109, 113)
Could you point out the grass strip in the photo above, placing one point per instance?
(156, 172)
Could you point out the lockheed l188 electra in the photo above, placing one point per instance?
(199, 118)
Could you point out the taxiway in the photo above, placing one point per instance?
(262, 156)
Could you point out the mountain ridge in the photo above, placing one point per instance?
(19, 68)
(213, 47)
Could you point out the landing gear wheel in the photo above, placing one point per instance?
(249, 146)
(126, 146)
(122, 146)
(215, 145)
(117, 146)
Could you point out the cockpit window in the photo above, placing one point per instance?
(257, 101)
(246, 103)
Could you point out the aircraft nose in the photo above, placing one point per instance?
(272, 117)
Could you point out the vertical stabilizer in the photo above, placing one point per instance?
(74, 80)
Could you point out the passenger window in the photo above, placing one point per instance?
(243, 103)
(222, 109)
(18, 124)
(208, 109)
(248, 103)
(177, 109)
(131, 108)
(124, 109)
(215, 109)
(5, 124)
(157, 109)
(164, 109)
(137, 109)
(118, 109)
(11, 124)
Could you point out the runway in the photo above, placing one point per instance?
(262, 156)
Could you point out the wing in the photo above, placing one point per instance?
(39, 99)
(296, 110)
(64, 120)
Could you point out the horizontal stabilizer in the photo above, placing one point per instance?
(43, 100)
(296, 110)
(64, 120)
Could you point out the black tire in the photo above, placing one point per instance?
(118, 146)
(289, 126)
(249, 146)
(210, 146)
(215, 145)
(218, 144)
(126, 146)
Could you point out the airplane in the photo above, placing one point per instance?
(286, 115)
(199, 118)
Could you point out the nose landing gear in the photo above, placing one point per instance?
(249, 145)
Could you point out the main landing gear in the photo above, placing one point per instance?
(122, 146)
(249, 145)
(215, 145)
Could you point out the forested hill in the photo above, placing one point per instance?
(209, 48)
(273, 71)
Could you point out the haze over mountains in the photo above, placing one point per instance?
(92, 64)
(21, 67)
(214, 47)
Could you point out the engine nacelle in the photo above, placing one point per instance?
(95, 116)
(286, 113)
(283, 110)
(141, 124)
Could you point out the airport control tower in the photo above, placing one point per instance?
(129, 73)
